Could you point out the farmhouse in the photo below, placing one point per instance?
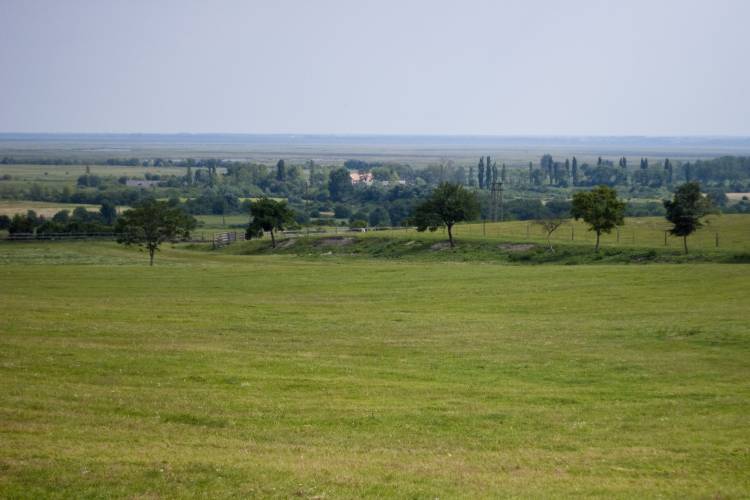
(361, 178)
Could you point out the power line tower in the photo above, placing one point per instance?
(496, 198)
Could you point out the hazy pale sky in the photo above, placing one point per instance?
(569, 67)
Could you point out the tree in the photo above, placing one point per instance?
(574, 171)
(280, 171)
(268, 215)
(687, 169)
(531, 174)
(108, 212)
(4, 222)
(487, 174)
(669, 170)
(447, 204)
(339, 184)
(546, 165)
(686, 209)
(600, 209)
(549, 224)
(379, 217)
(480, 172)
(151, 223)
(61, 217)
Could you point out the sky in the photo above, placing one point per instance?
(503, 67)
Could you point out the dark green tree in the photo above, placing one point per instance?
(108, 212)
(151, 223)
(379, 217)
(574, 171)
(600, 209)
(340, 184)
(531, 174)
(546, 164)
(280, 171)
(480, 172)
(687, 169)
(447, 204)
(668, 171)
(268, 215)
(686, 209)
(488, 174)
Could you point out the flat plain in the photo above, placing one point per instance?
(213, 374)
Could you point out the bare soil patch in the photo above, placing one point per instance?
(516, 247)
(440, 246)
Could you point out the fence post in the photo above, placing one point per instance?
(484, 229)
(618, 236)
(665, 238)
(717, 240)
(572, 233)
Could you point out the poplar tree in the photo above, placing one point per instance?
(487, 174)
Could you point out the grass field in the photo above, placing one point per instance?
(273, 376)
(66, 175)
(47, 209)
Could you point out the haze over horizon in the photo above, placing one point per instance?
(534, 68)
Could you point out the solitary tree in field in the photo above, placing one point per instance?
(550, 224)
(600, 209)
(448, 204)
(686, 210)
(151, 223)
(268, 215)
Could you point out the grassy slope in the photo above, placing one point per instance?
(638, 232)
(472, 250)
(271, 376)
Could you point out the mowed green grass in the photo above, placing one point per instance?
(270, 376)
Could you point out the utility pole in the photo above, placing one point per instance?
(496, 197)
